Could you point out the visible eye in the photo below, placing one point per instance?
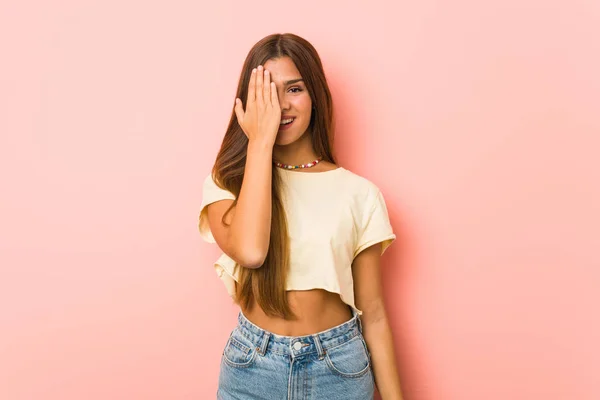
(298, 88)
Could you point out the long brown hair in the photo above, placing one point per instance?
(268, 283)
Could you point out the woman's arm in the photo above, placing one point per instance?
(247, 238)
(376, 329)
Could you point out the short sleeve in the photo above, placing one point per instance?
(210, 193)
(375, 226)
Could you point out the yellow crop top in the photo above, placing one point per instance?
(332, 216)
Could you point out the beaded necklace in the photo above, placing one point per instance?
(288, 166)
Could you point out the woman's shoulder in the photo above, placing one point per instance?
(210, 187)
(358, 181)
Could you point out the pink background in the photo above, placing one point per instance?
(478, 120)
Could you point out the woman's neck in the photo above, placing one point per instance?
(299, 152)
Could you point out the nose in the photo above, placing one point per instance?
(284, 102)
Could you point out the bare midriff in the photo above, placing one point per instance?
(316, 310)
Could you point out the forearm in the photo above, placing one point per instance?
(251, 223)
(378, 336)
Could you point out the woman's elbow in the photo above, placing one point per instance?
(253, 260)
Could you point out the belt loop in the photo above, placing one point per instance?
(358, 321)
(264, 343)
(320, 349)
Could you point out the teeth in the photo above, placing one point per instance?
(286, 121)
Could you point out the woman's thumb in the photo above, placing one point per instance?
(239, 111)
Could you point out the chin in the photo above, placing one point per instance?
(285, 138)
(284, 141)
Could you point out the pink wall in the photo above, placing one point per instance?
(479, 121)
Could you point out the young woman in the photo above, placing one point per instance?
(301, 238)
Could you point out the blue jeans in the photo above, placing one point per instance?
(334, 364)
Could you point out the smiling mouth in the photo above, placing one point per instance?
(285, 126)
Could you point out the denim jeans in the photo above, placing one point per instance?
(334, 364)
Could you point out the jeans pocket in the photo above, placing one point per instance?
(239, 352)
(350, 359)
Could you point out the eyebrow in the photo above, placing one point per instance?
(293, 81)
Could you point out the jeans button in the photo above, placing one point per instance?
(297, 346)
